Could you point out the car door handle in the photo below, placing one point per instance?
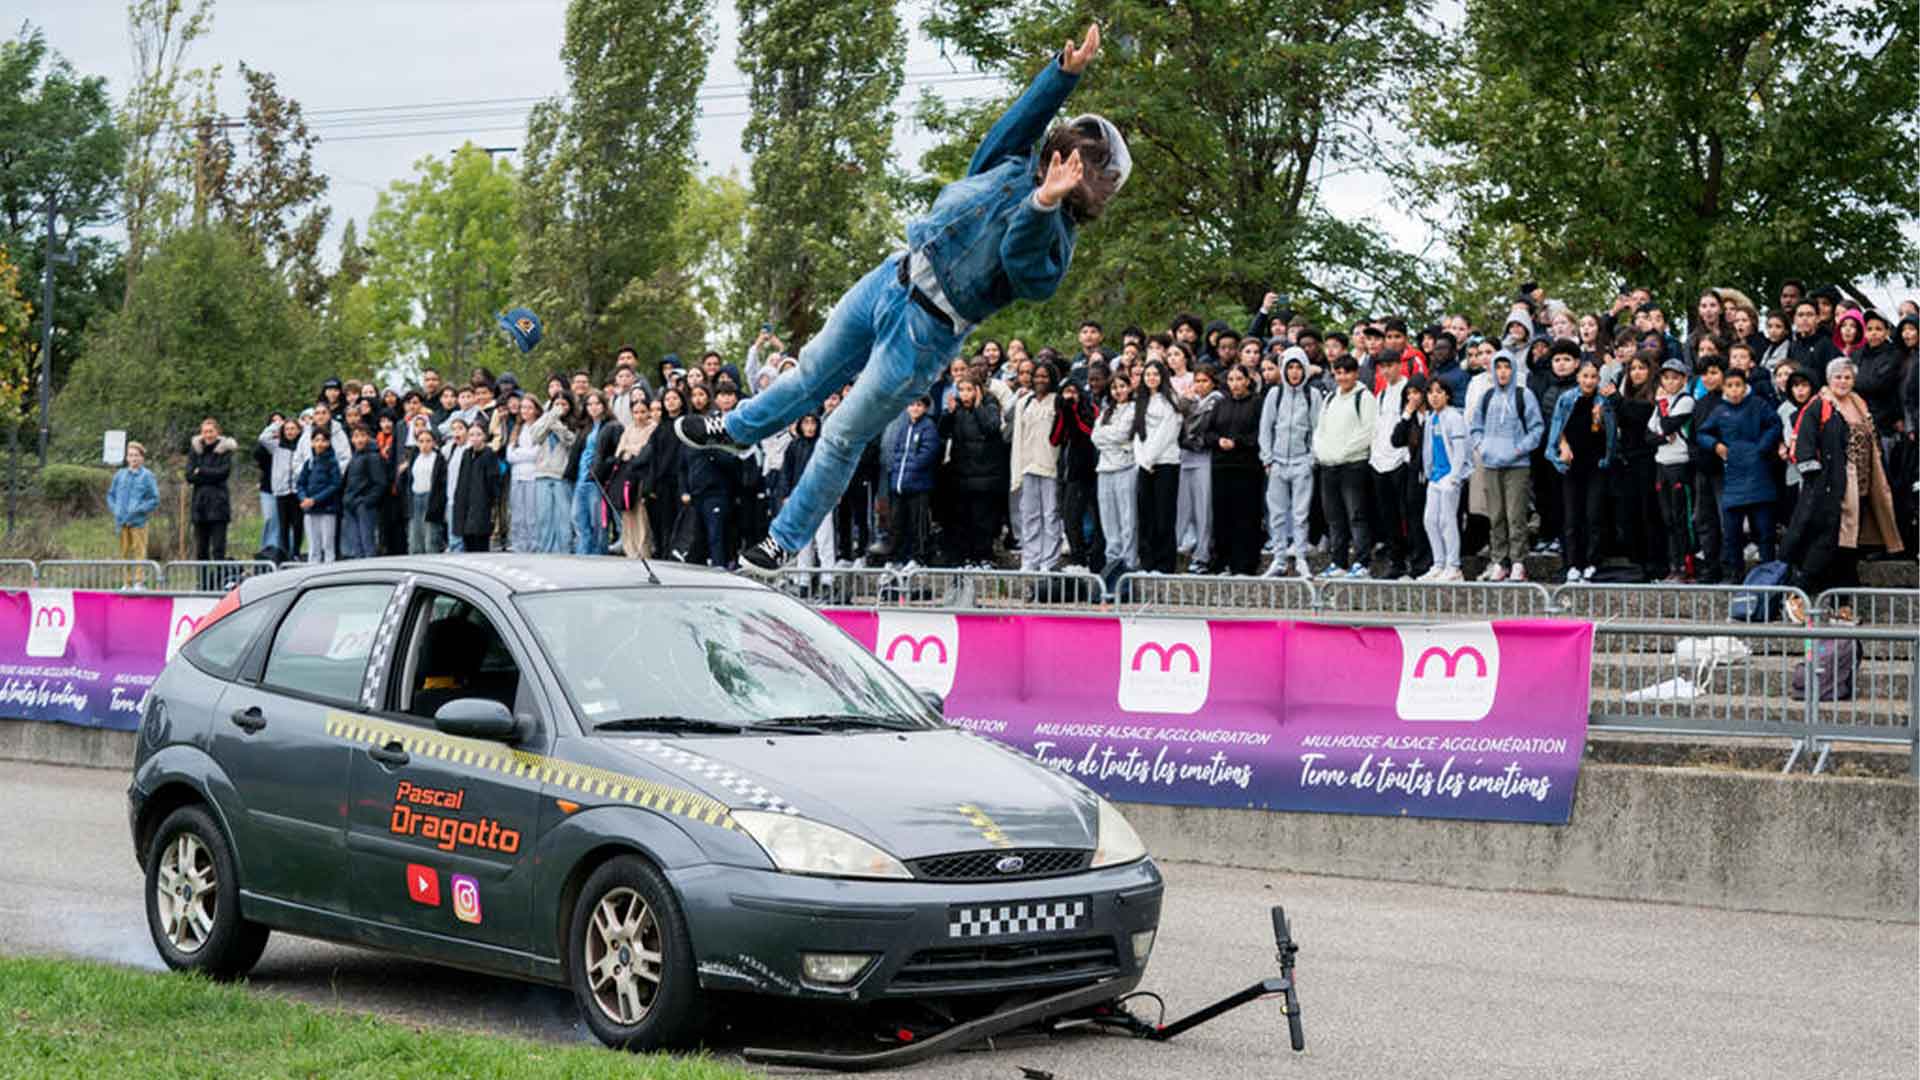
(391, 754)
(249, 720)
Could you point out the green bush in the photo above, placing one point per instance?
(74, 489)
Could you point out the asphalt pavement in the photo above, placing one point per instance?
(1396, 980)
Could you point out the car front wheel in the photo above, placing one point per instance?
(193, 899)
(631, 958)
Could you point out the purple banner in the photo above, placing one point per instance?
(88, 658)
(1475, 720)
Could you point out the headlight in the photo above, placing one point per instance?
(799, 846)
(1118, 842)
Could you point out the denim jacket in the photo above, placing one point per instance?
(985, 239)
(1562, 411)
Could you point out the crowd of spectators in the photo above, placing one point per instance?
(1630, 444)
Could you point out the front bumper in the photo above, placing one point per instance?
(750, 926)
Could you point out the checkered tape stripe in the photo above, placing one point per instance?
(383, 638)
(524, 580)
(1004, 920)
(720, 775)
(585, 779)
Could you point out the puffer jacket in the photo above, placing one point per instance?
(1193, 432)
(1344, 434)
(977, 453)
(1287, 418)
(911, 456)
(1750, 431)
(1507, 426)
(208, 466)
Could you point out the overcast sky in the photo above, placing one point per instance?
(491, 58)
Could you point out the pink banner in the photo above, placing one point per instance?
(1474, 720)
(88, 657)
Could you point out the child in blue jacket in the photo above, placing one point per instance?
(133, 495)
(1004, 232)
(319, 489)
(1742, 434)
(910, 460)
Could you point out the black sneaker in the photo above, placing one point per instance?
(708, 433)
(764, 560)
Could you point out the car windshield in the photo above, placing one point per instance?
(698, 660)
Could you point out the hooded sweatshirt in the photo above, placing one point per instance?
(1344, 433)
(1287, 418)
(1507, 425)
(1113, 437)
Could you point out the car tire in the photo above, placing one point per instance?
(193, 899)
(630, 959)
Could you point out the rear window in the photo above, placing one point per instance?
(219, 649)
(322, 645)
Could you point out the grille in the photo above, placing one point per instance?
(979, 865)
(1000, 967)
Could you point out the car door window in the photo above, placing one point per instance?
(322, 645)
(219, 648)
(454, 651)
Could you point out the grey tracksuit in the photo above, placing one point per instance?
(1287, 420)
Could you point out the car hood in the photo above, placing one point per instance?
(914, 793)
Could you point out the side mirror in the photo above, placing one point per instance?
(477, 718)
(935, 702)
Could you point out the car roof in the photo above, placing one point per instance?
(512, 573)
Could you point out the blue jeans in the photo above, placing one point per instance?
(269, 520)
(588, 537)
(555, 528)
(875, 332)
(361, 532)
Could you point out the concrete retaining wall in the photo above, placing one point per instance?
(1825, 845)
(65, 744)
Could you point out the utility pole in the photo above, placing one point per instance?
(46, 334)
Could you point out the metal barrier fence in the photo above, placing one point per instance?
(100, 574)
(16, 573)
(214, 576)
(1141, 594)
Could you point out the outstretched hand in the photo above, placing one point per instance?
(1073, 60)
(1062, 177)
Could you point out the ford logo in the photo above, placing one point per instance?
(1011, 864)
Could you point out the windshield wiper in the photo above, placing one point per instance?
(670, 723)
(841, 720)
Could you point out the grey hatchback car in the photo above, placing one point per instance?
(644, 784)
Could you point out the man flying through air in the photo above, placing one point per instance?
(1004, 232)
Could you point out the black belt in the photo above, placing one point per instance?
(926, 302)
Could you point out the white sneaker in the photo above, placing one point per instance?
(1333, 571)
(1432, 573)
(1519, 572)
(1452, 573)
(1573, 576)
(1276, 568)
(1587, 574)
(1359, 572)
(1495, 572)
(1301, 568)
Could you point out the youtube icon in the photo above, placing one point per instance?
(423, 884)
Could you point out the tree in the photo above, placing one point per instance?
(16, 337)
(442, 246)
(209, 330)
(1236, 112)
(711, 234)
(823, 78)
(160, 144)
(57, 138)
(270, 189)
(606, 173)
(1683, 144)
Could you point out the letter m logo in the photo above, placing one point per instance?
(922, 648)
(1447, 672)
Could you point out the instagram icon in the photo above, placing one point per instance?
(466, 899)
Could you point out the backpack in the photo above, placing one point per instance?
(1519, 404)
(1839, 663)
(1760, 606)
